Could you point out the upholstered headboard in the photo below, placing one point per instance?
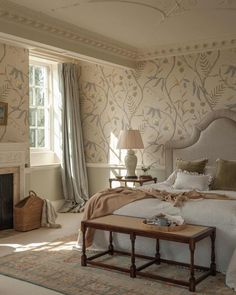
(214, 137)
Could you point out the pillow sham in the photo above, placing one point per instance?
(192, 181)
(225, 178)
(192, 166)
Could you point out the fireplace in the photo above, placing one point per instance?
(12, 180)
(6, 201)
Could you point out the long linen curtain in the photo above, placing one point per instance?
(74, 174)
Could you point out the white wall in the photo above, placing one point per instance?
(45, 181)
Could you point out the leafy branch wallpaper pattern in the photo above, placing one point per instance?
(14, 90)
(163, 98)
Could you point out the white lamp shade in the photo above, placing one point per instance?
(130, 139)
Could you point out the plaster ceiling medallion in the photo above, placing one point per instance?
(132, 29)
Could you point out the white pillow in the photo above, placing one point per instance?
(171, 179)
(192, 181)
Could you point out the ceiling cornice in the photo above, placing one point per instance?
(24, 23)
(23, 18)
(188, 48)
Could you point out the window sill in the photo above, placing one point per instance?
(42, 167)
(43, 158)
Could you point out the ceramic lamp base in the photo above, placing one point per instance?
(130, 164)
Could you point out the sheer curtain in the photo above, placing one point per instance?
(74, 174)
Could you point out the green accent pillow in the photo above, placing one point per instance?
(225, 178)
(197, 166)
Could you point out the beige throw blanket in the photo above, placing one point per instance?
(106, 202)
(49, 215)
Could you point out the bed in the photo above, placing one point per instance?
(214, 137)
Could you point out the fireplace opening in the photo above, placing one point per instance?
(6, 201)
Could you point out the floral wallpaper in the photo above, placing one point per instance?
(14, 63)
(162, 98)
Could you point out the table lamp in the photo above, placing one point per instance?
(130, 139)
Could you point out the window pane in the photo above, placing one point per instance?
(32, 138)
(39, 76)
(31, 79)
(40, 118)
(32, 117)
(39, 96)
(41, 138)
(31, 96)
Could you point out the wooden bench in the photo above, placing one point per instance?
(132, 226)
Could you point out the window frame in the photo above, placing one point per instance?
(50, 155)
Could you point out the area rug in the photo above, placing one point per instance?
(56, 266)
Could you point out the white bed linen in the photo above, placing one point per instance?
(219, 213)
(231, 272)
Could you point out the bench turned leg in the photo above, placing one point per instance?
(213, 258)
(192, 280)
(110, 248)
(83, 257)
(132, 266)
(158, 256)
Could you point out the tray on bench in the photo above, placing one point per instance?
(164, 228)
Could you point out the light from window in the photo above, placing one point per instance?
(39, 105)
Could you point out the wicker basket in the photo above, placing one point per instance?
(28, 213)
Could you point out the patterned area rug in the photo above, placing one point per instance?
(56, 266)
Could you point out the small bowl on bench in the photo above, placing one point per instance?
(119, 177)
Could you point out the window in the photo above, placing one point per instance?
(44, 112)
(39, 105)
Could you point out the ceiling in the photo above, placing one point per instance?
(142, 27)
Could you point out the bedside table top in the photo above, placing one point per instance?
(138, 180)
(141, 181)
